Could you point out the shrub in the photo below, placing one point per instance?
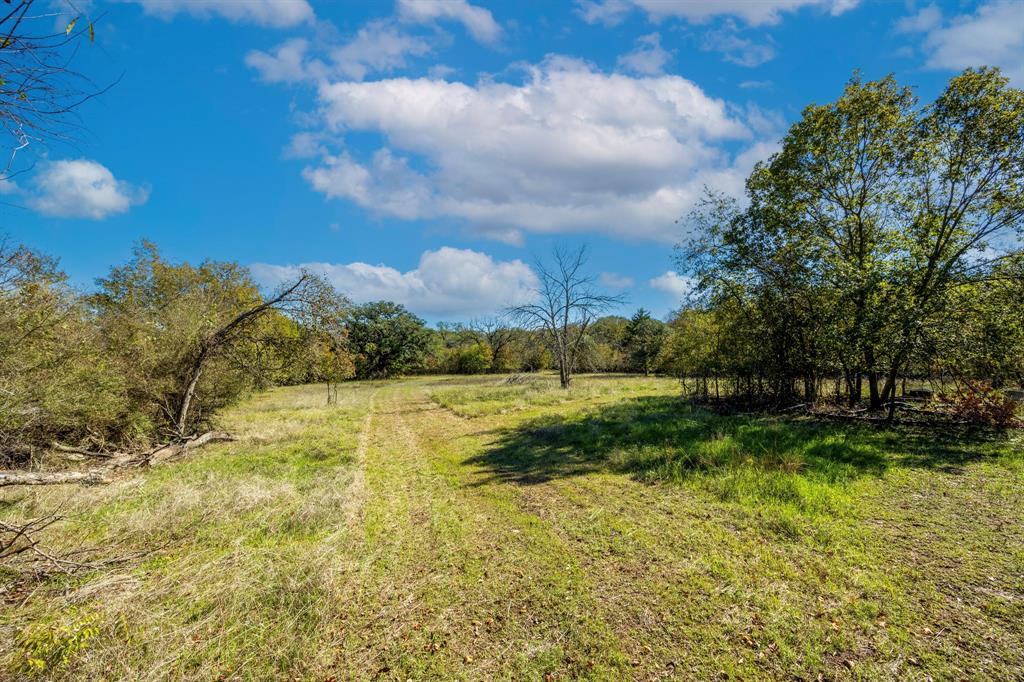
(979, 403)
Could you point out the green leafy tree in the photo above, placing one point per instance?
(192, 339)
(385, 340)
(860, 235)
(642, 340)
(56, 381)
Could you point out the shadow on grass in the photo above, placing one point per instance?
(668, 439)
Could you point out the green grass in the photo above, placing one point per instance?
(463, 528)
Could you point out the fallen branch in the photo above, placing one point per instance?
(20, 550)
(69, 450)
(170, 451)
(104, 474)
(93, 476)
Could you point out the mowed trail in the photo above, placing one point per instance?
(460, 580)
(594, 576)
(468, 574)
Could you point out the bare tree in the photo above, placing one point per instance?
(566, 304)
(39, 91)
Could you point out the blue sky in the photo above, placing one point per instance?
(428, 150)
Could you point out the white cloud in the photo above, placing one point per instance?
(735, 49)
(8, 186)
(378, 47)
(447, 282)
(925, 19)
(82, 189)
(607, 12)
(304, 145)
(613, 280)
(478, 21)
(648, 58)
(991, 36)
(673, 283)
(753, 12)
(286, 63)
(273, 13)
(568, 149)
(756, 85)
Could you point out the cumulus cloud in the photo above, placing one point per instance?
(648, 58)
(273, 13)
(991, 36)
(82, 189)
(478, 21)
(379, 47)
(673, 283)
(447, 282)
(755, 13)
(286, 63)
(613, 280)
(570, 148)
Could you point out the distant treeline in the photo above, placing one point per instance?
(158, 347)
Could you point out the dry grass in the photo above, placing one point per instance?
(459, 528)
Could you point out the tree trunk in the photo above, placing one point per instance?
(874, 398)
(190, 391)
(563, 371)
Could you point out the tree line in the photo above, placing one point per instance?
(882, 242)
(157, 347)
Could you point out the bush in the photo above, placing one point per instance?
(475, 359)
(979, 403)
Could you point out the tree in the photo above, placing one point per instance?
(38, 90)
(178, 328)
(567, 304)
(861, 233)
(604, 349)
(56, 382)
(500, 338)
(385, 340)
(643, 339)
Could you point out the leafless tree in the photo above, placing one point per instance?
(566, 304)
(39, 91)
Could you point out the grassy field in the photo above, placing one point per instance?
(461, 528)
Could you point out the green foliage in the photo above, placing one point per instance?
(48, 646)
(111, 368)
(474, 359)
(868, 241)
(604, 350)
(153, 315)
(642, 340)
(55, 380)
(385, 340)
